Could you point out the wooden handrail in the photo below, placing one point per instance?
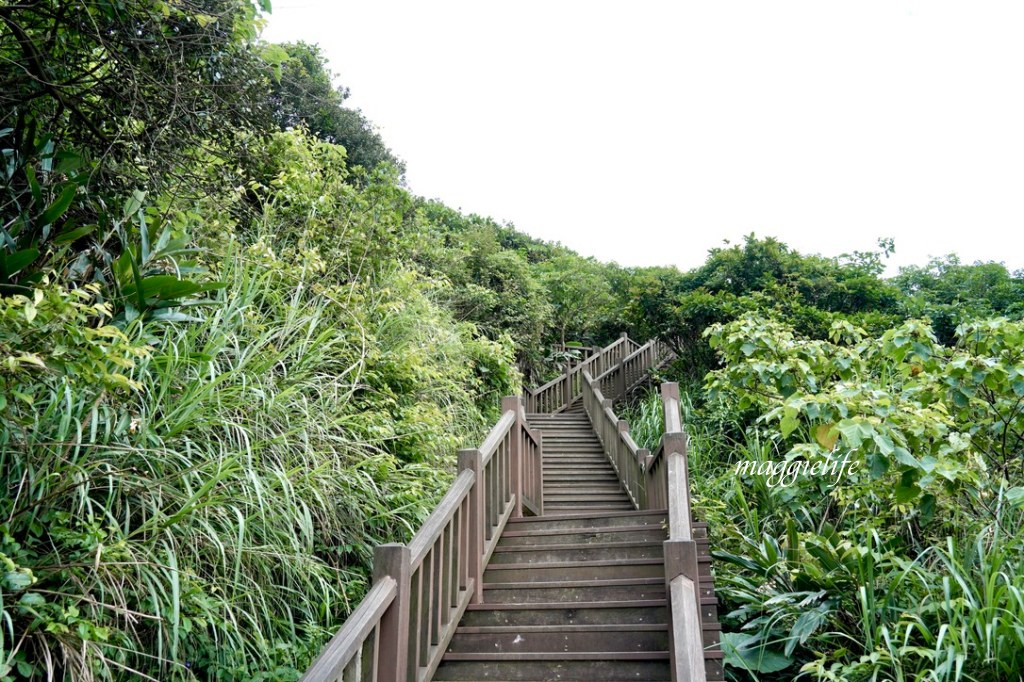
(633, 369)
(562, 391)
(402, 627)
(494, 438)
(343, 658)
(657, 481)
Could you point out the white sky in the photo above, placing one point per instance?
(648, 132)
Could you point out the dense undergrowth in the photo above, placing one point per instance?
(908, 568)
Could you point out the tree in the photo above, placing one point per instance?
(304, 94)
(951, 293)
(100, 99)
(578, 293)
(133, 82)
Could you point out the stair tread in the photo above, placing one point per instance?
(534, 519)
(596, 627)
(577, 531)
(609, 582)
(578, 545)
(558, 656)
(541, 606)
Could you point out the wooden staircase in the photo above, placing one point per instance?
(577, 474)
(562, 551)
(578, 594)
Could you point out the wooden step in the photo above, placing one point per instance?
(602, 569)
(614, 590)
(557, 477)
(559, 613)
(584, 489)
(570, 493)
(564, 639)
(595, 667)
(569, 479)
(578, 536)
(545, 554)
(619, 503)
(590, 521)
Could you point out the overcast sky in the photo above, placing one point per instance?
(648, 132)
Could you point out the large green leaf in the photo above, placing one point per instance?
(71, 235)
(168, 288)
(12, 263)
(748, 653)
(59, 206)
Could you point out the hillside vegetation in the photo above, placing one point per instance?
(910, 567)
(236, 352)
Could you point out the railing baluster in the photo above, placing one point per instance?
(426, 602)
(451, 572)
(437, 599)
(473, 460)
(415, 623)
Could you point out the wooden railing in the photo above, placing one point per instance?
(401, 628)
(565, 348)
(619, 379)
(624, 361)
(656, 481)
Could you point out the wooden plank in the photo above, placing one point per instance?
(566, 656)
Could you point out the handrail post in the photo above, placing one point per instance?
(687, 656)
(643, 456)
(394, 560)
(678, 485)
(515, 451)
(567, 386)
(620, 380)
(473, 459)
(670, 404)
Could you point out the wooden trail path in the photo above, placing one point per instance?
(562, 552)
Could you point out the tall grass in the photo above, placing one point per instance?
(217, 520)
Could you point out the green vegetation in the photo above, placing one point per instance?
(910, 567)
(236, 353)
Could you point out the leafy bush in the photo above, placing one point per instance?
(908, 568)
